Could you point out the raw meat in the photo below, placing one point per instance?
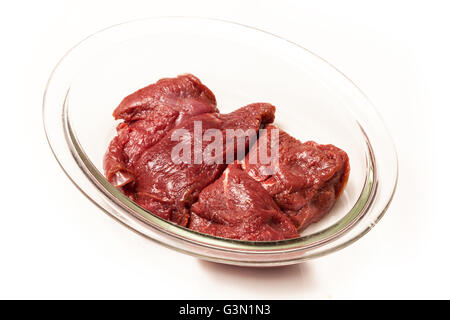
(149, 114)
(236, 206)
(305, 181)
(246, 200)
(168, 189)
(185, 94)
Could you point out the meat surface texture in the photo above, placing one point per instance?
(168, 189)
(178, 157)
(236, 206)
(148, 115)
(185, 94)
(306, 179)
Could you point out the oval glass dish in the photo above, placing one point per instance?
(240, 64)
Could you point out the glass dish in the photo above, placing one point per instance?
(240, 64)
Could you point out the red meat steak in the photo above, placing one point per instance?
(167, 188)
(236, 206)
(185, 93)
(305, 181)
(148, 115)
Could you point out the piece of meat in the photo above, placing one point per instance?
(184, 93)
(148, 115)
(237, 207)
(168, 188)
(306, 179)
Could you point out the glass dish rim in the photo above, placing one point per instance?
(198, 239)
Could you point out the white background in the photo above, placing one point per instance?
(54, 243)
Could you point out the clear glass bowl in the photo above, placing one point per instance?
(240, 65)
